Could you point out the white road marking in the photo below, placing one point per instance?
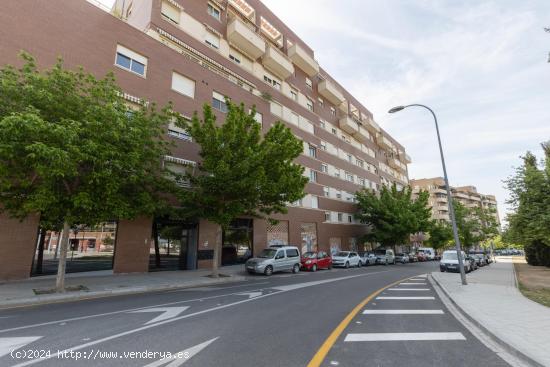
(290, 287)
(408, 289)
(250, 294)
(9, 344)
(413, 283)
(205, 289)
(403, 312)
(145, 327)
(167, 313)
(186, 355)
(404, 298)
(373, 337)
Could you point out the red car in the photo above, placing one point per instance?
(316, 260)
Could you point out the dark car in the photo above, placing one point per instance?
(472, 261)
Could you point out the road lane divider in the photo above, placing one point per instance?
(406, 298)
(377, 337)
(403, 312)
(409, 289)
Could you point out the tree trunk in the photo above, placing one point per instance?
(157, 249)
(217, 253)
(56, 253)
(40, 257)
(60, 281)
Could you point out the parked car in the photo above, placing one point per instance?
(346, 259)
(384, 256)
(316, 260)
(472, 261)
(428, 252)
(413, 258)
(274, 259)
(449, 262)
(421, 256)
(368, 258)
(402, 258)
(480, 260)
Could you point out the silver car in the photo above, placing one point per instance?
(273, 259)
(368, 258)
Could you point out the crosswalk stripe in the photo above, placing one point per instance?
(413, 283)
(408, 289)
(371, 337)
(398, 298)
(403, 312)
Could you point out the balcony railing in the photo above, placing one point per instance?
(277, 62)
(245, 39)
(301, 59)
(347, 124)
(330, 92)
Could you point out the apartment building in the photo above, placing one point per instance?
(466, 195)
(193, 52)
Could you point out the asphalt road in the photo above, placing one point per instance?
(284, 320)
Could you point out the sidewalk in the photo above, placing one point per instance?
(104, 283)
(493, 302)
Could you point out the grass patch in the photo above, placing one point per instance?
(540, 295)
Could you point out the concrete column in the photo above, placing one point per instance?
(259, 240)
(209, 234)
(133, 241)
(17, 246)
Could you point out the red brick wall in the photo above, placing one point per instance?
(133, 241)
(17, 246)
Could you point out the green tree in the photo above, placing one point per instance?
(467, 224)
(529, 224)
(440, 234)
(240, 173)
(71, 150)
(393, 215)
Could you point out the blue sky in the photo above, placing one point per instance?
(481, 65)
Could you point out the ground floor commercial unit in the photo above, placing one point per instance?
(144, 244)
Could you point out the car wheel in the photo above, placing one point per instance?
(296, 268)
(359, 264)
(250, 272)
(314, 268)
(347, 264)
(386, 263)
(329, 266)
(268, 270)
(441, 270)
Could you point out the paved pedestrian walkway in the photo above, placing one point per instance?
(491, 299)
(105, 283)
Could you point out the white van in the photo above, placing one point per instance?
(428, 251)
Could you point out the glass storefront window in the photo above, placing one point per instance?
(309, 237)
(237, 242)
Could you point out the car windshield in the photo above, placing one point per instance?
(380, 252)
(449, 256)
(267, 253)
(342, 254)
(399, 254)
(310, 255)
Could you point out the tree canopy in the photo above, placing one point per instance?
(73, 151)
(440, 234)
(241, 172)
(392, 215)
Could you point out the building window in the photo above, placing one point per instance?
(327, 216)
(294, 95)
(212, 40)
(214, 11)
(309, 84)
(360, 162)
(273, 82)
(130, 60)
(312, 176)
(235, 59)
(350, 218)
(312, 151)
(349, 177)
(334, 131)
(314, 202)
(321, 102)
(178, 132)
(309, 105)
(340, 217)
(324, 168)
(337, 172)
(323, 145)
(218, 102)
(362, 181)
(322, 124)
(326, 192)
(170, 12)
(338, 194)
(259, 118)
(183, 85)
(350, 158)
(333, 111)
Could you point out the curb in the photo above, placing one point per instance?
(67, 297)
(511, 349)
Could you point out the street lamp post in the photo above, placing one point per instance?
(451, 207)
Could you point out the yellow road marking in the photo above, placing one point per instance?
(319, 357)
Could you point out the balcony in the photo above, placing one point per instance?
(239, 35)
(347, 124)
(384, 142)
(371, 126)
(396, 163)
(344, 107)
(277, 62)
(301, 59)
(362, 135)
(405, 158)
(330, 92)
